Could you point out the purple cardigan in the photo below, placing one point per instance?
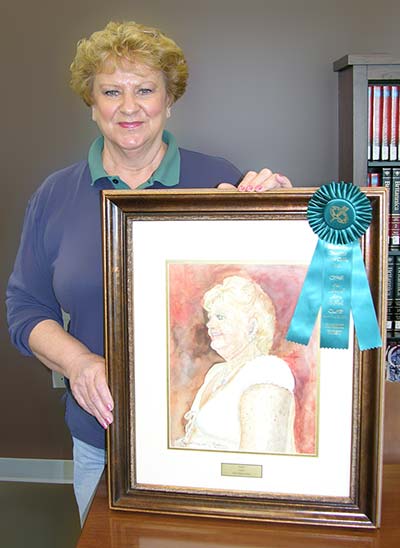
(59, 262)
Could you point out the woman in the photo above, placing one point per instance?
(246, 402)
(130, 77)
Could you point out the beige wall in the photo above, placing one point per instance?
(262, 92)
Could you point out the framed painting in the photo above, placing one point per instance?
(216, 413)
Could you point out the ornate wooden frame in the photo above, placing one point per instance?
(362, 507)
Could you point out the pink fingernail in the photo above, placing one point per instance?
(241, 189)
(259, 188)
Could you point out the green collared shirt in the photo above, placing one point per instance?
(167, 172)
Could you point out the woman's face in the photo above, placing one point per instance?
(130, 106)
(230, 329)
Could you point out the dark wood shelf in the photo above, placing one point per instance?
(383, 163)
(353, 59)
(355, 72)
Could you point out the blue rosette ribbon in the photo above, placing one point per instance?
(336, 282)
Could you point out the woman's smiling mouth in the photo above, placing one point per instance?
(130, 125)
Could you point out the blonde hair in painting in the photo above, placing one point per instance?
(244, 293)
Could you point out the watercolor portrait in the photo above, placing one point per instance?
(235, 383)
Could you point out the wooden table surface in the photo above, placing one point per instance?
(118, 529)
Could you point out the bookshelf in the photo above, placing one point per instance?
(355, 73)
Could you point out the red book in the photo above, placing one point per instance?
(386, 121)
(377, 122)
(394, 125)
(370, 108)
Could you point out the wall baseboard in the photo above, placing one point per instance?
(36, 470)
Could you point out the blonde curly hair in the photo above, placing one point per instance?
(246, 295)
(135, 43)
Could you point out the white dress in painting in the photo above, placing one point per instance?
(217, 423)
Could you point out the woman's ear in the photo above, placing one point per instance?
(253, 325)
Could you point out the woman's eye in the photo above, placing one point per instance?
(145, 91)
(111, 92)
(220, 316)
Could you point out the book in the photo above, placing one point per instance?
(390, 295)
(376, 122)
(374, 179)
(386, 121)
(394, 212)
(398, 122)
(370, 107)
(387, 183)
(396, 296)
(394, 125)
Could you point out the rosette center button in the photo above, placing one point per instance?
(339, 214)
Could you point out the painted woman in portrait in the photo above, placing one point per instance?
(246, 401)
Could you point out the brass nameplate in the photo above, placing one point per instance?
(241, 470)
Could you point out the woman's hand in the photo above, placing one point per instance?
(259, 182)
(85, 370)
(87, 378)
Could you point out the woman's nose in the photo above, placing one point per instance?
(129, 104)
(210, 323)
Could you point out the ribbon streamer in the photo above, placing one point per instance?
(336, 282)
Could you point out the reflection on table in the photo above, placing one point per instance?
(118, 529)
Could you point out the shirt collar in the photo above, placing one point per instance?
(167, 172)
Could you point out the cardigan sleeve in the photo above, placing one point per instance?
(30, 298)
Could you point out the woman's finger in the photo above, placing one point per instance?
(252, 180)
(284, 181)
(262, 181)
